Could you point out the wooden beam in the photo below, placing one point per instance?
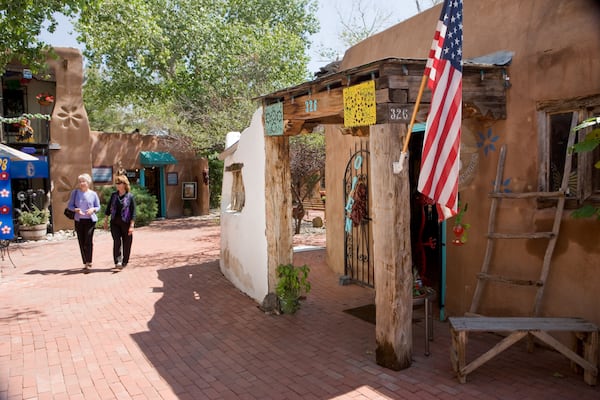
(278, 205)
(391, 248)
(315, 106)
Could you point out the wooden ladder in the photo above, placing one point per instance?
(552, 236)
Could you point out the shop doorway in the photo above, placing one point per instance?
(152, 182)
(426, 230)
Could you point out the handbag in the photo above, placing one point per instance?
(69, 213)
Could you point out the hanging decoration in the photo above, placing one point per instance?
(360, 105)
(44, 99)
(25, 131)
(6, 206)
(460, 229)
(16, 120)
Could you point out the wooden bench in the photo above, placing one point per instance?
(585, 332)
(313, 204)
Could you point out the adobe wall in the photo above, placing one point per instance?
(108, 149)
(70, 132)
(555, 47)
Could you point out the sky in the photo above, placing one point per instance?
(330, 13)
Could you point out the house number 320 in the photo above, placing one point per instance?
(310, 105)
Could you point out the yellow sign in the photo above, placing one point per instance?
(359, 105)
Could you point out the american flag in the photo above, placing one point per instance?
(438, 178)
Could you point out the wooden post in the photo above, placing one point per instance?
(278, 205)
(390, 194)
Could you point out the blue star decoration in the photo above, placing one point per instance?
(487, 141)
(503, 186)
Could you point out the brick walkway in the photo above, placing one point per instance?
(170, 326)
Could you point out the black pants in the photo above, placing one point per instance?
(85, 235)
(120, 234)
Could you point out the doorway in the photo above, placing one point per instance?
(358, 260)
(152, 183)
(426, 231)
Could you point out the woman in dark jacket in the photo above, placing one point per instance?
(121, 209)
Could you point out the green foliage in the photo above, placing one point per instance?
(292, 283)
(146, 205)
(34, 216)
(215, 176)
(21, 23)
(587, 211)
(591, 141)
(196, 64)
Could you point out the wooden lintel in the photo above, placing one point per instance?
(314, 106)
(292, 127)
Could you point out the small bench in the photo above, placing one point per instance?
(517, 328)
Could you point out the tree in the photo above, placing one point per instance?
(21, 23)
(307, 167)
(194, 65)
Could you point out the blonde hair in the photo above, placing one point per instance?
(123, 179)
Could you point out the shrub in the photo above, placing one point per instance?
(146, 204)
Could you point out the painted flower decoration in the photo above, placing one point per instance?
(44, 98)
(487, 141)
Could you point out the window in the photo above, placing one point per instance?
(238, 193)
(556, 119)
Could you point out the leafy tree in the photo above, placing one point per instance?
(191, 67)
(307, 168)
(22, 21)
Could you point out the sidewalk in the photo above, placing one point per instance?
(170, 326)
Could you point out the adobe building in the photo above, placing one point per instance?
(65, 146)
(531, 73)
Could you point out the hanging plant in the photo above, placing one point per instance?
(44, 99)
(460, 228)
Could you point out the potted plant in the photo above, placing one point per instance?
(292, 284)
(33, 223)
(44, 99)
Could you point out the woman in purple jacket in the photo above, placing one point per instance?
(85, 203)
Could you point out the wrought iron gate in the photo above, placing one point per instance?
(358, 263)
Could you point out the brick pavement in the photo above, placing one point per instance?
(170, 326)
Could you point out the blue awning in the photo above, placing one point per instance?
(153, 158)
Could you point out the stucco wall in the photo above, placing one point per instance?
(243, 241)
(555, 47)
(108, 149)
(70, 132)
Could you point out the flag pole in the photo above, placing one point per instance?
(399, 166)
(414, 114)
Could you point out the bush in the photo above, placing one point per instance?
(146, 204)
(215, 173)
(34, 216)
